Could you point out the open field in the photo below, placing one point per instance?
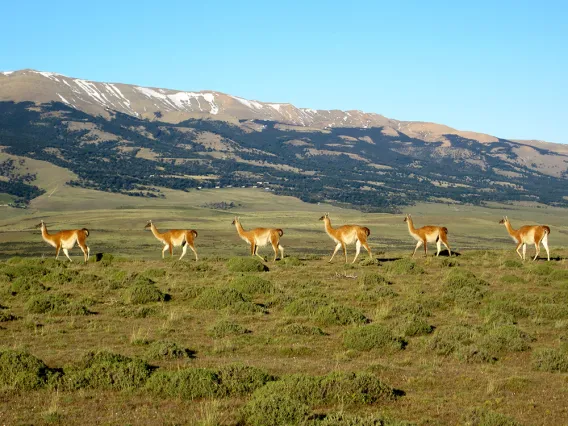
(476, 339)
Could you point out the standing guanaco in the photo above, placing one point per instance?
(175, 238)
(347, 234)
(261, 237)
(428, 234)
(66, 240)
(528, 234)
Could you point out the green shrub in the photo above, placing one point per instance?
(307, 306)
(106, 370)
(246, 264)
(154, 273)
(241, 380)
(137, 312)
(375, 336)
(411, 308)
(372, 279)
(447, 340)
(252, 285)
(414, 325)
(7, 316)
(509, 263)
(218, 298)
(542, 270)
(103, 259)
(27, 285)
(484, 417)
(247, 308)
(186, 384)
(21, 371)
(463, 287)
(505, 338)
(403, 267)
(377, 294)
(292, 261)
(46, 303)
(367, 261)
(504, 311)
(554, 311)
(274, 409)
(143, 292)
(167, 350)
(343, 419)
(511, 279)
(447, 262)
(335, 314)
(227, 328)
(301, 330)
(551, 360)
(559, 275)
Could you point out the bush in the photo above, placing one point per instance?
(252, 285)
(343, 419)
(46, 303)
(218, 298)
(301, 330)
(186, 384)
(241, 380)
(306, 306)
(511, 279)
(448, 340)
(226, 328)
(335, 314)
(370, 337)
(403, 266)
(21, 371)
(512, 263)
(485, 417)
(143, 292)
(551, 360)
(504, 311)
(247, 308)
(246, 264)
(463, 287)
(553, 311)
(292, 261)
(413, 325)
(26, 285)
(274, 409)
(7, 316)
(372, 279)
(168, 350)
(106, 370)
(505, 338)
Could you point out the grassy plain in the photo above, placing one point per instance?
(477, 339)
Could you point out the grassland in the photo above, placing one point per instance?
(133, 339)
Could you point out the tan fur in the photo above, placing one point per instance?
(261, 237)
(175, 238)
(347, 234)
(428, 234)
(66, 240)
(528, 234)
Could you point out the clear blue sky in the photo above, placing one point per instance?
(498, 67)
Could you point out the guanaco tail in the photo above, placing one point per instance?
(528, 234)
(175, 238)
(261, 237)
(428, 234)
(66, 240)
(347, 234)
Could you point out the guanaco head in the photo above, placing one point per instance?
(324, 217)
(504, 220)
(40, 225)
(235, 221)
(148, 225)
(407, 218)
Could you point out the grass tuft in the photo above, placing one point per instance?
(168, 351)
(335, 314)
(225, 328)
(252, 285)
(551, 360)
(219, 298)
(188, 384)
(375, 336)
(403, 267)
(21, 371)
(246, 264)
(301, 330)
(241, 380)
(143, 291)
(482, 416)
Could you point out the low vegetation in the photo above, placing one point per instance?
(226, 341)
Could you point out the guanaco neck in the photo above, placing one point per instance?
(44, 234)
(328, 228)
(512, 232)
(240, 229)
(155, 232)
(410, 224)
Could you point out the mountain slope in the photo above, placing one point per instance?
(134, 140)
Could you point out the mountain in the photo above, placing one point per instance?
(134, 140)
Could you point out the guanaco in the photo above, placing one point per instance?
(528, 234)
(428, 234)
(347, 234)
(261, 237)
(175, 238)
(66, 240)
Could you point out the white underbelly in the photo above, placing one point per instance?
(178, 241)
(262, 240)
(68, 244)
